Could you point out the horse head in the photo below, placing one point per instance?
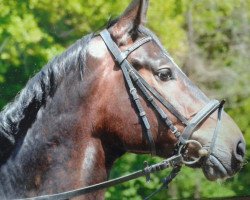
(156, 66)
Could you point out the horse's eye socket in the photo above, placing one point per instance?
(165, 74)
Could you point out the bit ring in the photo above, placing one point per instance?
(195, 160)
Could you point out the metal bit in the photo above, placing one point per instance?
(203, 152)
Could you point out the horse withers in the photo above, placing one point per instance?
(81, 112)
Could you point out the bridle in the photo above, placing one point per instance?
(132, 77)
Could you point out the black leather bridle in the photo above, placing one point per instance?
(132, 77)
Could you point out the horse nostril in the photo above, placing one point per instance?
(241, 149)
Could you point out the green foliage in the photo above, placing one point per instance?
(220, 31)
(32, 32)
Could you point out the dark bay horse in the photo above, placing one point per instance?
(75, 117)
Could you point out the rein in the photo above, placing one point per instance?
(171, 162)
(132, 77)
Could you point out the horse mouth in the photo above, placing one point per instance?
(214, 169)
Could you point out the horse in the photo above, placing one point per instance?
(76, 117)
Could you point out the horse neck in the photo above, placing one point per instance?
(60, 152)
(64, 173)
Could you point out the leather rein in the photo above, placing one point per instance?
(132, 77)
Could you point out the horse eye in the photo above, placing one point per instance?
(165, 74)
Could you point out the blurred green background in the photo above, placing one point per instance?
(209, 39)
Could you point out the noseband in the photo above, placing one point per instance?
(131, 76)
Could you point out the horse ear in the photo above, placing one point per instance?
(134, 16)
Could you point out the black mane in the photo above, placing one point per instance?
(18, 116)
